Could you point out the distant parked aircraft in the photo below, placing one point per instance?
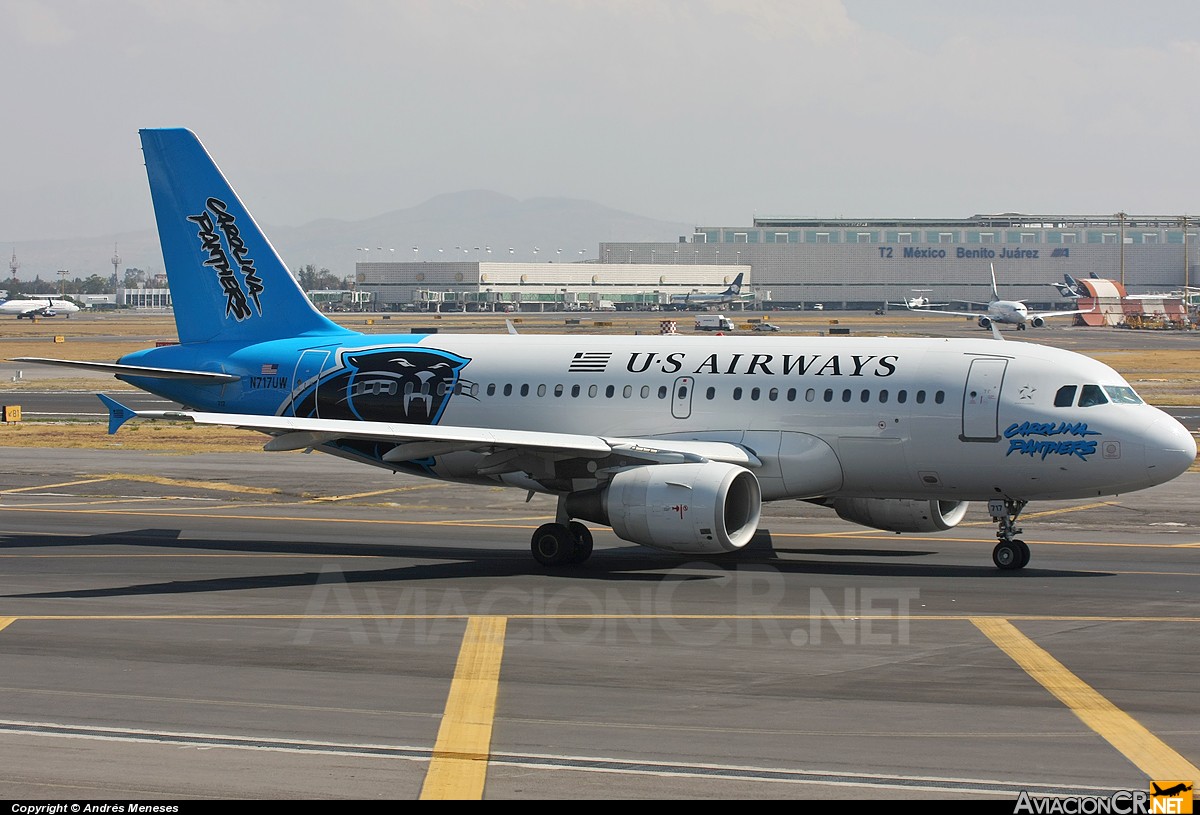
(704, 300)
(39, 308)
(919, 301)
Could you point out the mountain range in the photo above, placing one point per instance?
(455, 226)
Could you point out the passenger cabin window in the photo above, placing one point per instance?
(1065, 396)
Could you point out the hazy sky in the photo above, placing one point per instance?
(701, 111)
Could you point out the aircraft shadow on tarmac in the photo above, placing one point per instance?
(624, 564)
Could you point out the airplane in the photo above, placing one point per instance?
(705, 300)
(50, 307)
(673, 441)
(1171, 791)
(920, 301)
(1006, 312)
(1071, 288)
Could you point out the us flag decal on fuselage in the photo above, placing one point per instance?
(589, 361)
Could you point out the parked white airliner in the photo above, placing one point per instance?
(695, 299)
(672, 441)
(1006, 312)
(918, 301)
(48, 307)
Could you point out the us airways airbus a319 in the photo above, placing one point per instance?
(674, 442)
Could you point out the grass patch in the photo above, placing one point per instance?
(172, 438)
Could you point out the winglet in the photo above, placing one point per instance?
(118, 414)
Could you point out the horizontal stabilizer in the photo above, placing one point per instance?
(118, 414)
(118, 369)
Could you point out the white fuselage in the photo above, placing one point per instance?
(1008, 312)
(873, 417)
(46, 307)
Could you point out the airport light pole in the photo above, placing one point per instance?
(1184, 223)
(1121, 219)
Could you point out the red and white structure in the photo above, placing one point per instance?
(1114, 306)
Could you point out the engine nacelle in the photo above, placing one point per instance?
(1037, 322)
(706, 508)
(901, 514)
(984, 322)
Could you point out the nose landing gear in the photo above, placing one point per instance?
(1010, 553)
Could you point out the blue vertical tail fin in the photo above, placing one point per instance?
(227, 282)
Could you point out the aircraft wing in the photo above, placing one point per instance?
(508, 450)
(1045, 314)
(930, 310)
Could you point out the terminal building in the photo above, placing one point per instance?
(840, 264)
(589, 286)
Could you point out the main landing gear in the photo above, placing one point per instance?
(558, 544)
(1009, 553)
(562, 542)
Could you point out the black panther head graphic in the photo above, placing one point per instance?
(410, 385)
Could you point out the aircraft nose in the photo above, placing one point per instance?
(1170, 449)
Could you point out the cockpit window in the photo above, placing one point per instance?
(1091, 395)
(1121, 395)
(1065, 396)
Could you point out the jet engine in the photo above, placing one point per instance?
(901, 514)
(984, 322)
(1037, 322)
(704, 508)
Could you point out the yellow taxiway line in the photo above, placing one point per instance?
(1145, 750)
(460, 756)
